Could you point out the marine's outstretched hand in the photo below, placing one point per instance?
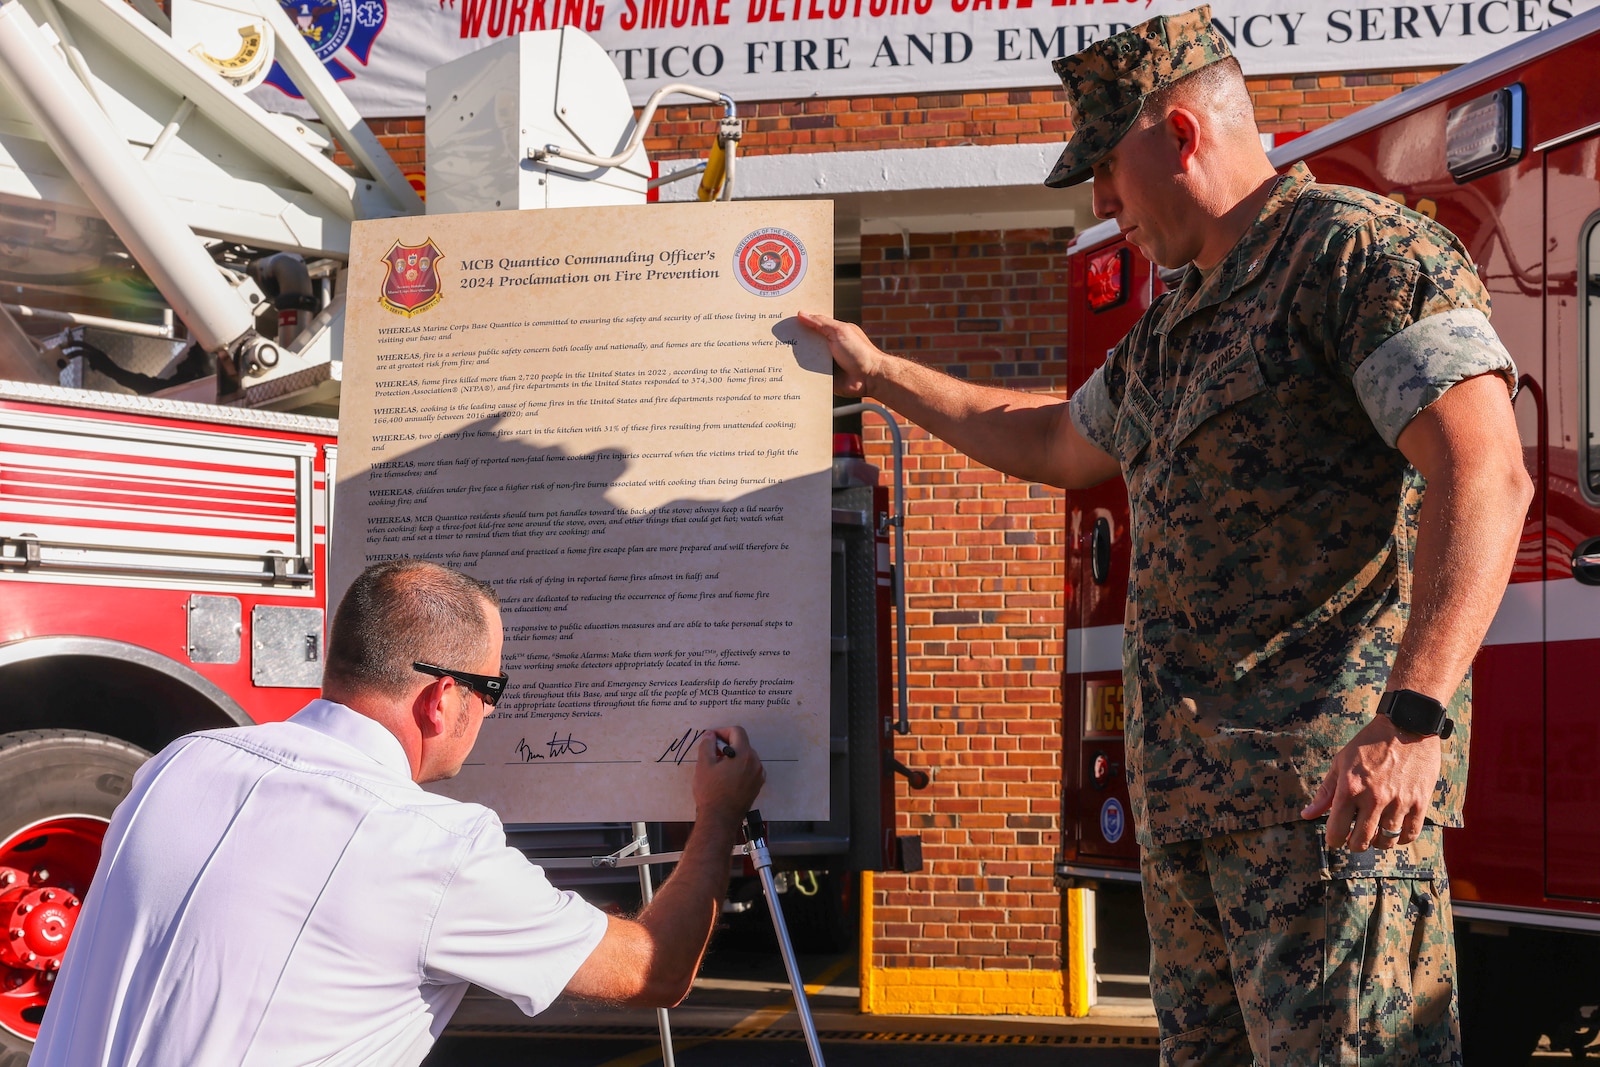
(1025, 435)
(855, 358)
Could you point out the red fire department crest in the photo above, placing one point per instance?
(770, 262)
(411, 282)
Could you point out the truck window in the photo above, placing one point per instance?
(1590, 359)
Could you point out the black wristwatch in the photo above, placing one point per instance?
(1416, 713)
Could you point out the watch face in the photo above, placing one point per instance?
(1415, 712)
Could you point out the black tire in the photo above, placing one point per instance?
(45, 773)
(1500, 1000)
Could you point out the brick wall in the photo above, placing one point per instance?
(1017, 116)
(932, 120)
(984, 577)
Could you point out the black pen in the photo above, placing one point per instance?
(726, 749)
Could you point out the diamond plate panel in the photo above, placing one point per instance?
(216, 626)
(286, 647)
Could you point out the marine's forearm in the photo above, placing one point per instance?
(1467, 537)
(1025, 435)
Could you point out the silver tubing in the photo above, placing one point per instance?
(555, 151)
(686, 172)
(72, 318)
(763, 864)
(898, 521)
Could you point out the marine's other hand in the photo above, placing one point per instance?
(1383, 779)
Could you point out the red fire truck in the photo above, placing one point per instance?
(1506, 153)
(161, 571)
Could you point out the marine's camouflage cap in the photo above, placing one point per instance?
(1107, 83)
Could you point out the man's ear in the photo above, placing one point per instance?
(428, 707)
(1185, 133)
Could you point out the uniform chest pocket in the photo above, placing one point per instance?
(1227, 382)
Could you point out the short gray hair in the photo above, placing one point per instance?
(402, 611)
(1218, 88)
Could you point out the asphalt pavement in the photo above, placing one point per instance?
(741, 1013)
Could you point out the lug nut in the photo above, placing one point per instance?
(7, 877)
(24, 909)
(40, 876)
(16, 935)
(49, 976)
(72, 902)
(48, 895)
(30, 957)
(54, 965)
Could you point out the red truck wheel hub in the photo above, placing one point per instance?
(37, 925)
(44, 870)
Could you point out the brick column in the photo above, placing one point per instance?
(979, 929)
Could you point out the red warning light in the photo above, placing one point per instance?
(1108, 279)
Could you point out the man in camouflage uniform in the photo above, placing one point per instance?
(1276, 417)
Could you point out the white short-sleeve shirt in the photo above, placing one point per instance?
(285, 894)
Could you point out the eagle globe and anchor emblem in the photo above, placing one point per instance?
(411, 282)
(330, 26)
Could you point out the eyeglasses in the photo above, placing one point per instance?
(489, 686)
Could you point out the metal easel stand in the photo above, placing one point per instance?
(637, 854)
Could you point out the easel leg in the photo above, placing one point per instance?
(647, 892)
(755, 831)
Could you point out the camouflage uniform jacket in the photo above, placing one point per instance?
(1254, 413)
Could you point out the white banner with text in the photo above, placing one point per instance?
(381, 50)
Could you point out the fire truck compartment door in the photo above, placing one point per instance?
(286, 647)
(1572, 609)
(99, 495)
(215, 628)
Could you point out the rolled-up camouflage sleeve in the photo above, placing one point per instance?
(1093, 413)
(1415, 323)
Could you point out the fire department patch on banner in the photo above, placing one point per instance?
(770, 262)
(411, 283)
(331, 27)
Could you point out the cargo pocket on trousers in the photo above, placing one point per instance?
(1383, 957)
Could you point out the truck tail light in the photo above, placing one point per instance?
(1108, 279)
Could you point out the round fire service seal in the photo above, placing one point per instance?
(1111, 824)
(770, 262)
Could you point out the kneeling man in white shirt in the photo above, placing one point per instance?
(288, 894)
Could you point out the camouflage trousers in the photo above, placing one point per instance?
(1270, 949)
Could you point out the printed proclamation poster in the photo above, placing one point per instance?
(612, 416)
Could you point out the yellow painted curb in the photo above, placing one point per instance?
(866, 942)
(960, 991)
(1079, 963)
